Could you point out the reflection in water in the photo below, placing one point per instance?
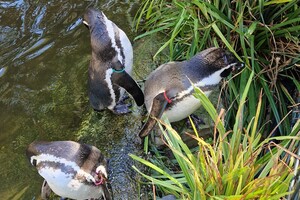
(44, 54)
(2, 71)
(36, 49)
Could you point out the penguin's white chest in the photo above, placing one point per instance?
(63, 185)
(183, 108)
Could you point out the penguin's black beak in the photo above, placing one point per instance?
(238, 66)
(241, 65)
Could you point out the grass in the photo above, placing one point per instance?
(265, 35)
(232, 167)
(257, 138)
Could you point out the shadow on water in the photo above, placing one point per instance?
(44, 55)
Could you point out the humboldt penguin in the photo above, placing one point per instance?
(169, 89)
(110, 66)
(70, 169)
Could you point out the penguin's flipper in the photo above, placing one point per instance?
(124, 80)
(158, 107)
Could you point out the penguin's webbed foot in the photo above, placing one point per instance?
(196, 120)
(121, 109)
(123, 98)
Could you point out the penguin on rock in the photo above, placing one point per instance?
(168, 89)
(110, 66)
(71, 170)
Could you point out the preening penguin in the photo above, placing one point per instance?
(111, 64)
(168, 89)
(70, 169)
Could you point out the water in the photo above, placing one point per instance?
(44, 56)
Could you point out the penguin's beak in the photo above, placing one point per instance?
(102, 177)
(241, 65)
(238, 66)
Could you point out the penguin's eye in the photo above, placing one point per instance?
(34, 161)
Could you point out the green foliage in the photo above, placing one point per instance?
(232, 167)
(243, 161)
(263, 34)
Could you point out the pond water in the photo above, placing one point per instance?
(44, 57)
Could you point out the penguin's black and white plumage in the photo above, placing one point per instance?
(168, 89)
(70, 169)
(111, 64)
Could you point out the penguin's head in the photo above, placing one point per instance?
(220, 58)
(33, 151)
(101, 44)
(42, 154)
(93, 18)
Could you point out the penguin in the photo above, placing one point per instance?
(168, 89)
(110, 66)
(70, 170)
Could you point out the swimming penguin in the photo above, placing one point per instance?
(168, 89)
(110, 65)
(70, 169)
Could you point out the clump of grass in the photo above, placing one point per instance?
(263, 34)
(243, 161)
(232, 167)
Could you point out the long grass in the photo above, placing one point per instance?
(255, 151)
(233, 167)
(263, 34)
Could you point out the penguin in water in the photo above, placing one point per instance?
(168, 89)
(70, 169)
(110, 66)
